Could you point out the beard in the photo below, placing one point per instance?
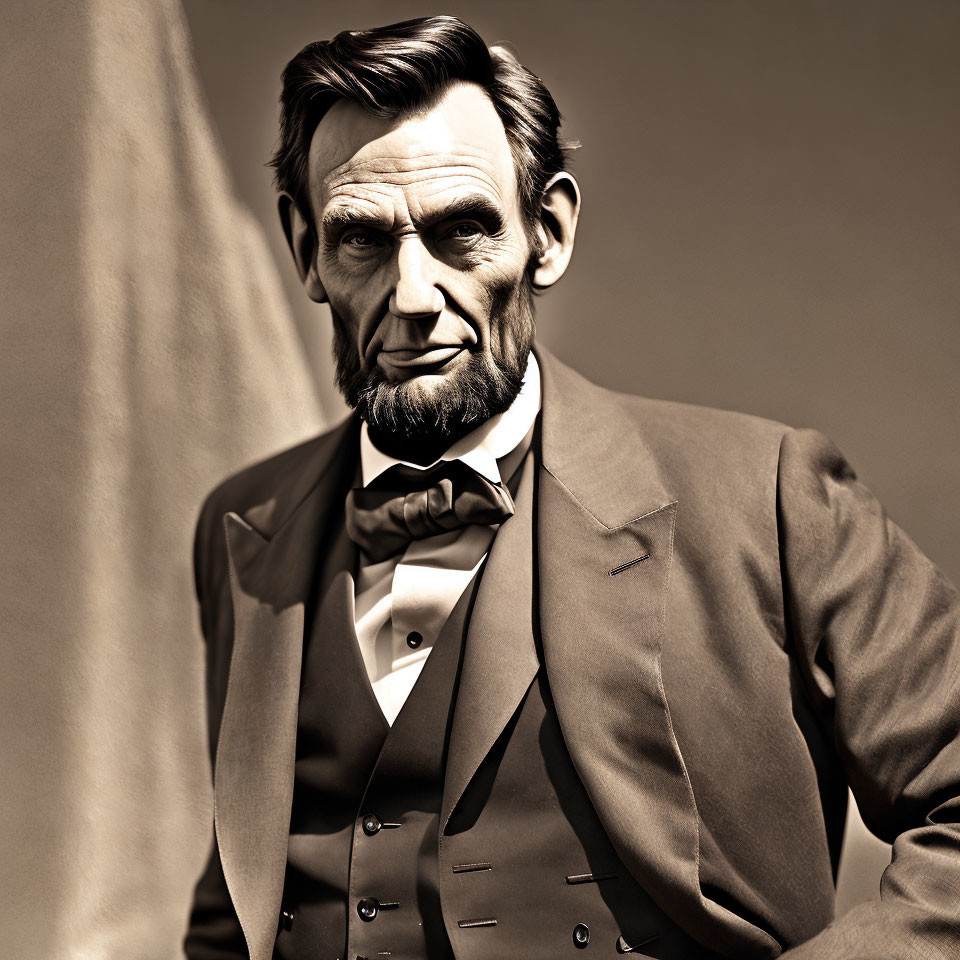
(403, 416)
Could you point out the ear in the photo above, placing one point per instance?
(559, 209)
(302, 240)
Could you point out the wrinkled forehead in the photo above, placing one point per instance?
(456, 142)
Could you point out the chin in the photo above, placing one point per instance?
(439, 407)
(426, 385)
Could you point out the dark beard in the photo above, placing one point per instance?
(404, 421)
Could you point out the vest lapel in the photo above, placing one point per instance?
(270, 581)
(499, 657)
(605, 546)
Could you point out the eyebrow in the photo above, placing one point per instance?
(344, 216)
(477, 207)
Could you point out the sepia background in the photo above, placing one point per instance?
(771, 223)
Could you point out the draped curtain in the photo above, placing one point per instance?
(147, 351)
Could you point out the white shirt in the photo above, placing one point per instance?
(414, 594)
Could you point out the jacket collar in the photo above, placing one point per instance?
(592, 445)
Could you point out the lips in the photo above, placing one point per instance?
(420, 360)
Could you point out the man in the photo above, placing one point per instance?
(510, 666)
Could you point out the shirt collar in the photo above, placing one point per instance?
(483, 446)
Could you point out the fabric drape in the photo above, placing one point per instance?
(147, 351)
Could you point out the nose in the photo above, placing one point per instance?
(415, 294)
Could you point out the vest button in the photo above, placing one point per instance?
(581, 935)
(414, 639)
(368, 908)
(371, 825)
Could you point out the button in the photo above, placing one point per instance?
(414, 639)
(581, 935)
(371, 825)
(368, 908)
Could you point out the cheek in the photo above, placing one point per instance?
(488, 290)
(356, 306)
(346, 324)
(502, 299)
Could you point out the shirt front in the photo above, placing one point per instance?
(402, 603)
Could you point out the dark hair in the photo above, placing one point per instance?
(401, 67)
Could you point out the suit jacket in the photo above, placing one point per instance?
(732, 631)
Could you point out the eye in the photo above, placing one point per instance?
(465, 231)
(360, 239)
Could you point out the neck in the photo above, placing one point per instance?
(419, 450)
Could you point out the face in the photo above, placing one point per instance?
(423, 255)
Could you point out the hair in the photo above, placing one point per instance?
(403, 67)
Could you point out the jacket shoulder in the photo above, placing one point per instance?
(599, 419)
(619, 452)
(696, 429)
(264, 493)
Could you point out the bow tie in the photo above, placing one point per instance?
(404, 504)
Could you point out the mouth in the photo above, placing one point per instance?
(419, 360)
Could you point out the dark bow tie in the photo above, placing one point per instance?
(404, 504)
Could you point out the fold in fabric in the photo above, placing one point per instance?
(147, 352)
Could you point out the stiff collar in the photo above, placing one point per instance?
(482, 447)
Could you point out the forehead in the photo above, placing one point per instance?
(456, 145)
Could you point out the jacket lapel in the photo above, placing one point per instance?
(271, 578)
(605, 547)
(499, 658)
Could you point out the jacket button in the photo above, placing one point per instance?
(371, 824)
(368, 908)
(414, 639)
(581, 935)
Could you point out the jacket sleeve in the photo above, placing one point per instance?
(875, 627)
(214, 931)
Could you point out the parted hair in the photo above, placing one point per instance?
(402, 67)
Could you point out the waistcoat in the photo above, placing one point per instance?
(362, 852)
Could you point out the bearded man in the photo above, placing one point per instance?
(511, 666)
